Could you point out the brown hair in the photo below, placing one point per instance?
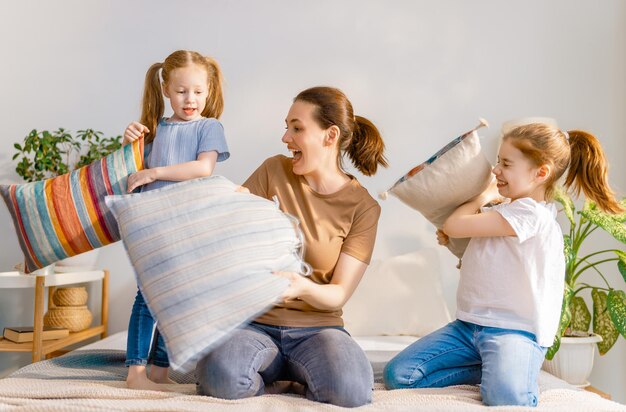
(577, 152)
(359, 138)
(153, 106)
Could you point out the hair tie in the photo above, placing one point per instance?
(566, 135)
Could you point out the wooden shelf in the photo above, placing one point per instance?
(38, 347)
(597, 391)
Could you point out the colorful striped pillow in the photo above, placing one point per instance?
(204, 256)
(66, 215)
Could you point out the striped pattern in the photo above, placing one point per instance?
(204, 256)
(66, 215)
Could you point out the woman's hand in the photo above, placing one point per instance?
(134, 131)
(297, 285)
(242, 189)
(140, 178)
(442, 238)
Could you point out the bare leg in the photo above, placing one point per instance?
(138, 379)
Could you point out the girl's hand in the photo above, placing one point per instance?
(140, 178)
(297, 285)
(134, 131)
(242, 189)
(442, 238)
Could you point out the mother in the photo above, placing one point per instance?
(302, 339)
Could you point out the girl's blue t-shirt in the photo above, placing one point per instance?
(180, 142)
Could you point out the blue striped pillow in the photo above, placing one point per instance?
(204, 256)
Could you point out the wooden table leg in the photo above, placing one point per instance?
(38, 321)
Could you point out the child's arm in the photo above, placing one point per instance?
(203, 166)
(465, 221)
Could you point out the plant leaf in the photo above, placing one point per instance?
(602, 321)
(581, 317)
(606, 221)
(563, 198)
(617, 310)
(621, 263)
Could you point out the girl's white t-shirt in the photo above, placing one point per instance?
(516, 282)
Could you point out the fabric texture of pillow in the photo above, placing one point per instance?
(66, 215)
(412, 303)
(452, 176)
(204, 257)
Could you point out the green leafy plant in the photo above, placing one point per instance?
(609, 303)
(46, 154)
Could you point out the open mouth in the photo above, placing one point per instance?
(189, 111)
(296, 154)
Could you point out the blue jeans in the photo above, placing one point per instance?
(505, 362)
(325, 360)
(144, 341)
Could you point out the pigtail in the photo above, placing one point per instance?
(588, 171)
(152, 107)
(366, 148)
(215, 100)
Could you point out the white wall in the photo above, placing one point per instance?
(423, 71)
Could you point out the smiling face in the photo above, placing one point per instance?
(187, 90)
(306, 140)
(517, 176)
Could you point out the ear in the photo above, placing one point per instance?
(543, 172)
(164, 89)
(332, 135)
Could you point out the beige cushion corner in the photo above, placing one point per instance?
(400, 295)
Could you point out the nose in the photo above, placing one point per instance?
(286, 138)
(496, 170)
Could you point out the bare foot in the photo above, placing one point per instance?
(138, 379)
(159, 374)
(143, 383)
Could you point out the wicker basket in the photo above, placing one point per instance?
(76, 296)
(74, 318)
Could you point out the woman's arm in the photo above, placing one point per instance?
(203, 166)
(347, 275)
(466, 221)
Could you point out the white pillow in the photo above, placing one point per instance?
(400, 295)
(204, 256)
(452, 176)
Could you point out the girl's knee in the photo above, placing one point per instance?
(396, 376)
(510, 394)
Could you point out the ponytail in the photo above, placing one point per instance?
(215, 100)
(366, 148)
(588, 171)
(152, 106)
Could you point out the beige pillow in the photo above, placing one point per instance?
(449, 178)
(400, 295)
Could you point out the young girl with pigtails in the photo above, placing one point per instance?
(512, 278)
(184, 146)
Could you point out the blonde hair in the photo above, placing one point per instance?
(153, 105)
(359, 138)
(577, 152)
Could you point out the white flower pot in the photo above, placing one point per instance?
(574, 360)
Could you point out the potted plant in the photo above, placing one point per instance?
(45, 154)
(609, 303)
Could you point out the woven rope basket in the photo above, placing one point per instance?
(74, 318)
(76, 296)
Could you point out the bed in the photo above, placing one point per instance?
(92, 378)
